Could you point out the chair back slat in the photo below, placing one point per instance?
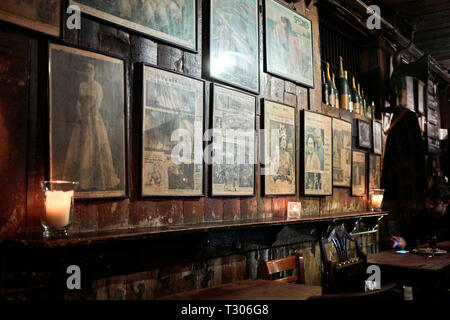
(268, 268)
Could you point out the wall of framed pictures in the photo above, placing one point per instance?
(151, 77)
(192, 71)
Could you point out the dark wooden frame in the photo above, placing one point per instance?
(263, 146)
(302, 158)
(141, 127)
(148, 35)
(207, 57)
(360, 144)
(376, 123)
(211, 166)
(266, 69)
(365, 172)
(351, 150)
(126, 124)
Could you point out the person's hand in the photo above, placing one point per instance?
(398, 242)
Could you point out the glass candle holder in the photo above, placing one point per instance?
(56, 216)
(376, 199)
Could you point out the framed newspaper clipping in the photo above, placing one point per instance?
(279, 149)
(317, 154)
(233, 131)
(342, 153)
(172, 133)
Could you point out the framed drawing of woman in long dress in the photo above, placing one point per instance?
(87, 121)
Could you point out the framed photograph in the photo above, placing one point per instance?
(279, 149)
(171, 21)
(363, 134)
(420, 97)
(234, 43)
(233, 124)
(374, 172)
(377, 137)
(317, 156)
(359, 174)
(87, 121)
(172, 134)
(39, 15)
(342, 153)
(288, 44)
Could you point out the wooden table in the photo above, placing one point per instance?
(252, 289)
(427, 275)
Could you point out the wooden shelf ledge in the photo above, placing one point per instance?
(36, 240)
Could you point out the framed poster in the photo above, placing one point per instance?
(234, 43)
(363, 134)
(359, 174)
(172, 21)
(420, 97)
(279, 149)
(342, 153)
(374, 172)
(233, 124)
(377, 137)
(172, 132)
(87, 121)
(39, 15)
(288, 44)
(317, 155)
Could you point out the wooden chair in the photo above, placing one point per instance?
(389, 292)
(295, 262)
(347, 274)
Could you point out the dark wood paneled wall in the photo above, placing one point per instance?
(24, 155)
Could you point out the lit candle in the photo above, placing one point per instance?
(377, 199)
(57, 208)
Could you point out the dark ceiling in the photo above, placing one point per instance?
(432, 23)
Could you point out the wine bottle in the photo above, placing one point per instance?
(331, 97)
(350, 101)
(325, 89)
(363, 102)
(343, 87)
(355, 98)
(336, 93)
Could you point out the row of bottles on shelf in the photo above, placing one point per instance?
(344, 96)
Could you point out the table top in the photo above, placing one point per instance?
(251, 289)
(410, 260)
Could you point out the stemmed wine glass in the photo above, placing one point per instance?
(432, 240)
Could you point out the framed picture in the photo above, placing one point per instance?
(420, 97)
(279, 149)
(359, 174)
(342, 153)
(288, 44)
(171, 21)
(234, 43)
(374, 172)
(172, 132)
(233, 124)
(87, 121)
(363, 134)
(377, 137)
(317, 156)
(39, 15)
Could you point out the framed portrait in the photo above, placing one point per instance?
(234, 43)
(342, 153)
(87, 121)
(359, 174)
(288, 44)
(39, 15)
(172, 132)
(317, 155)
(374, 172)
(233, 130)
(279, 149)
(171, 21)
(377, 137)
(363, 134)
